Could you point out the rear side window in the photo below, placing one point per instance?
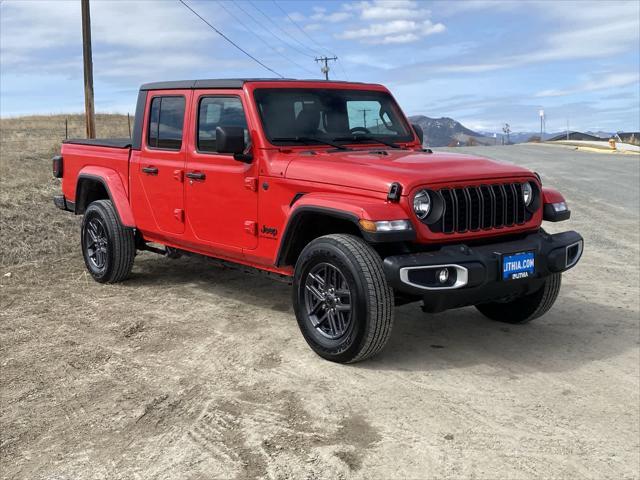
(165, 123)
(218, 111)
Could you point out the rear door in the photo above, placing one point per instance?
(221, 205)
(160, 168)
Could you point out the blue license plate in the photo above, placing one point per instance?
(518, 265)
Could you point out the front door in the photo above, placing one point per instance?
(161, 164)
(221, 192)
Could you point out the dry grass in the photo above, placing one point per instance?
(31, 228)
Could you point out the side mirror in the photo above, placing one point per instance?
(231, 140)
(418, 129)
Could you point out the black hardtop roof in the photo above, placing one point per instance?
(227, 83)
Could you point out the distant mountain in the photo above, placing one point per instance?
(522, 137)
(441, 132)
(601, 134)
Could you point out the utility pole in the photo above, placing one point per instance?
(90, 117)
(325, 68)
(364, 115)
(541, 125)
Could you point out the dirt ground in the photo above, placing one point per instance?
(192, 371)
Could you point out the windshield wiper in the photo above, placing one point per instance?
(310, 140)
(367, 138)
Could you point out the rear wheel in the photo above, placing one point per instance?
(526, 308)
(108, 247)
(342, 302)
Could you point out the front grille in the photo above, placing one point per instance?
(481, 207)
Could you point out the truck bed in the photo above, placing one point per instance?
(101, 142)
(94, 157)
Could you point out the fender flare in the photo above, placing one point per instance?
(351, 208)
(116, 191)
(551, 195)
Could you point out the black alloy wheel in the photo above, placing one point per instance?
(96, 244)
(327, 300)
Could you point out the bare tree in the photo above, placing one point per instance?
(507, 130)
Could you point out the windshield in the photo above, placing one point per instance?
(321, 114)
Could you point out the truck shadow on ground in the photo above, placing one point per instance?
(573, 333)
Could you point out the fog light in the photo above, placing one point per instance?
(443, 275)
(560, 207)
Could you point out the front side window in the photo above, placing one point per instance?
(166, 120)
(216, 112)
(330, 114)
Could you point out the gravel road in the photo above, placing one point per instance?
(192, 371)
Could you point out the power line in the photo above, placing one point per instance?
(283, 31)
(344, 72)
(229, 40)
(269, 31)
(255, 34)
(303, 31)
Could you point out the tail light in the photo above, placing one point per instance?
(57, 166)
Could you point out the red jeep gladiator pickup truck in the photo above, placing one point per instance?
(324, 184)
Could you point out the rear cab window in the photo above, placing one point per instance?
(166, 121)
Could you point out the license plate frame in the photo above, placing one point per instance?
(522, 265)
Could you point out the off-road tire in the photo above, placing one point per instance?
(526, 308)
(120, 243)
(370, 296)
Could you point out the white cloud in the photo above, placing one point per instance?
(395, 31)
(448, 7)
(390, 10)
(334, 17)
(612, 80)
(390, 22)
(320, 15)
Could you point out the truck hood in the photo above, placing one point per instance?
(375, 170)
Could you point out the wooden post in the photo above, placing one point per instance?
(66, 128)
(129, 123)
(90, 117)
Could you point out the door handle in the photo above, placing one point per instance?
(196, 175)
(150, 170)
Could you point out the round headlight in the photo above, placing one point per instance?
(422, 204)
(527, 193)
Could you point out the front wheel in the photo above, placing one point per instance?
(526, 308)
(108, 247)
(342, 302)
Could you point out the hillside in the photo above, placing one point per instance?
(442, 132)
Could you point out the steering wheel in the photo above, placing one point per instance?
(359, 129)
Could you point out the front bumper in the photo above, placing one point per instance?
(475, 272)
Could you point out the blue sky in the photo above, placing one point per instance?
(481, 62)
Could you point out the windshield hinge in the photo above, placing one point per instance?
(251, 183)
(395, 191)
